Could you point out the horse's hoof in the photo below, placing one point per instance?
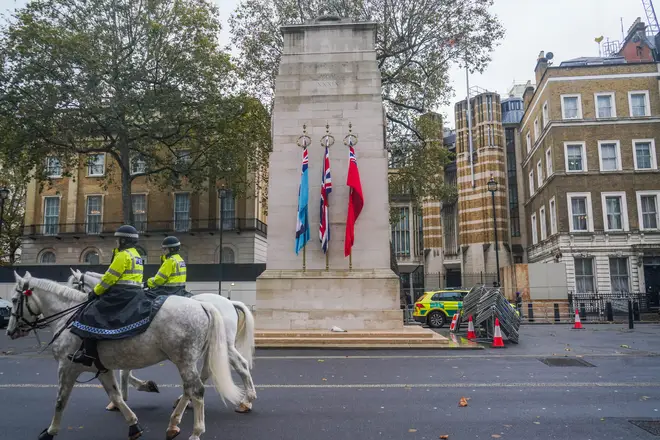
(172, 433)
(45, 436)
(111, 407)
(243, 409)
(152, 387)
(135, 432)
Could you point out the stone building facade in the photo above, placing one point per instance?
(71, 220)
(592, 185)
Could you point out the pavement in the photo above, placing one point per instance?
(380, 394)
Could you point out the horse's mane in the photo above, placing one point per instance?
(57, 288)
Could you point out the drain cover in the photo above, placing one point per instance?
(565, 362)
(652, 426)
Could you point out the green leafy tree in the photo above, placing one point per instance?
(15, 179)
(417, 42)
(144, 81)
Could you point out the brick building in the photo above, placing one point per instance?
(592, 186)
(71, 221)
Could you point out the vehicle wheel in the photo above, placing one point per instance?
(436, 319)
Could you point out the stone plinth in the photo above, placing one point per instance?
(320, 299)
(328, 75)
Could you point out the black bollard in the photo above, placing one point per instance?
(631, 324)
(530, 312)
(583, 311)
(557, 317)
(636, 316)
(609, 312)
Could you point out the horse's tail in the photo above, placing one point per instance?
(245, 333)
(217, 357)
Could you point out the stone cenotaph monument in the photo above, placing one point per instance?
(328, 79)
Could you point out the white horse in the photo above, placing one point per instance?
(240, 341)
(183, 331)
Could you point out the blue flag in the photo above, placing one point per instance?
(302, 222)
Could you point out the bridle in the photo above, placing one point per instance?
(24, 325)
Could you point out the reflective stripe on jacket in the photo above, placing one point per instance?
(126, 269)
(171, 273)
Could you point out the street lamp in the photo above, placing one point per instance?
(492, 187)
(222, 193)
(4, 194)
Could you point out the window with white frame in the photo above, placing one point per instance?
(571, 107)
(619, 278)
(53, 167)
(610, 155)
(535, 234)
(96, 164)
(605, 105)
(93, 214)
(529, 143)
(401, 232)
(644, 154)
(139, 202)
(228, 256)
(544, 228)
(546, 114)
(584, 275)
(537, 131)
(615, 211)
(548, 162)
(539, 173)
(228, 211)
(138, 165)
(92, 257)
(639, 103)
(553, 216)
(531, 183)
(182, 212)
(647, 208)
(51, 215)
(576, 156)
(580, 215)
(47, 257)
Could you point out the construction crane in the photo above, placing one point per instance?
(651, 19)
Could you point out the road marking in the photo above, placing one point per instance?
(397, 385)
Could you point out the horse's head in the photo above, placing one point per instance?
(25, 309)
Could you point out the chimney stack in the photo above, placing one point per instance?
(541, 66)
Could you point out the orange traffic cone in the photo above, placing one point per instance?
(452, 327)
(471, 334)
(498, 342)
(578, 323)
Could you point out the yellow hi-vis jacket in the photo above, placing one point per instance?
(126, 269)
(171, 273)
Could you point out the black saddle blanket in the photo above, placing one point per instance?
(121, 312)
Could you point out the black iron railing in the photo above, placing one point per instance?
(600, 305)
(178, 225)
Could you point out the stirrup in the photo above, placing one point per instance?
(81, 357)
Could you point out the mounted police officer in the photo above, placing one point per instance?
(121, 308)
(171, 276)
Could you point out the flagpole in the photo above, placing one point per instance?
(303, 141)
(350, 260)
(329, 140)
(305, 257)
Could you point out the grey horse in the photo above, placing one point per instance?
(183, 331)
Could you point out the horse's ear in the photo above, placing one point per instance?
(28, 275)
(72, 271)
(17, 276)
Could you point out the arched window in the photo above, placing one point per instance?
(47, 257)
(228, 256)
(92, 257)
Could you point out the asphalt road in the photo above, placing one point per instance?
(321, 394)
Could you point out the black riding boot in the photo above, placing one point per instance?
(87, 353)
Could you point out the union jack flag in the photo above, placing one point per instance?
(326, 189)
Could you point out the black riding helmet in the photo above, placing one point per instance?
(127, 236)
(171, 244)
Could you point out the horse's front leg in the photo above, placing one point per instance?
(67, 375)
(109, 383)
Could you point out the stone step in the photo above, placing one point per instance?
(283, 342)
(345, 335)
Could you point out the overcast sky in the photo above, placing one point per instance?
(565, 27)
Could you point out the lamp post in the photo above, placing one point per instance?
(492, 187)
(222, 193)
(4, 194)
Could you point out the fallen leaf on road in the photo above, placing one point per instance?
(537, 423)
(444, 436)
(320, 360)
(412, 430)
(463, 402)
(644, 398)
(508, 426)
(324, 379)
(496, 436)
(567, 349)
(624, 346)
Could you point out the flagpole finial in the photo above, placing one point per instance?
(350, 140)
(328, 140)
(304, 140)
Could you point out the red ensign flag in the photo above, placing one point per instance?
(355, 200)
